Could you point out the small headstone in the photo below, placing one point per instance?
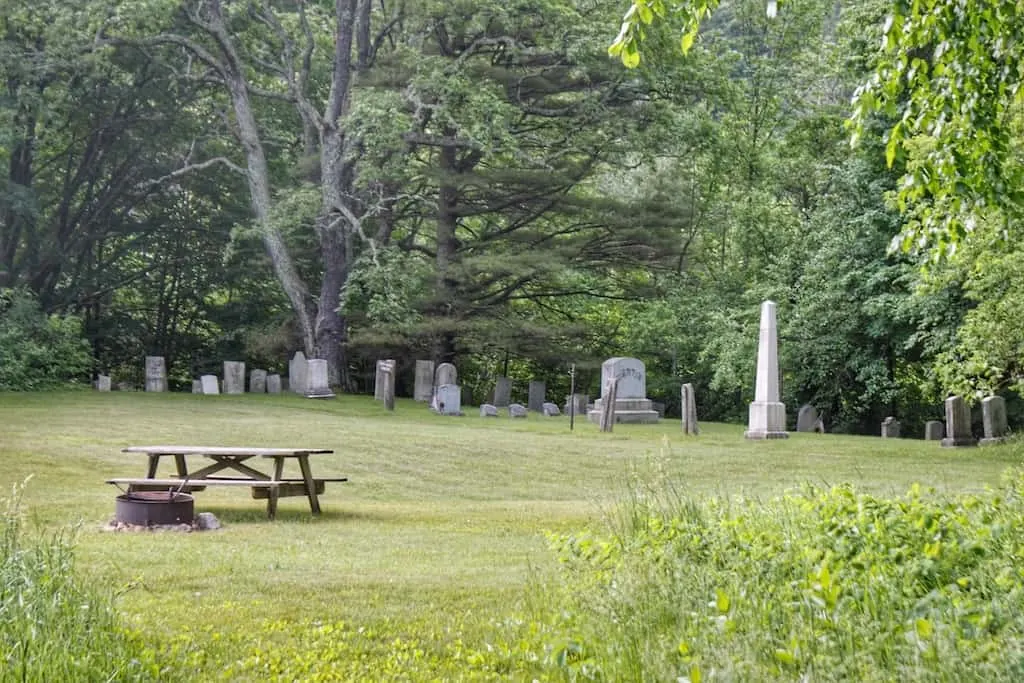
(488, 410)
(446, 374)
(517, 410)
(298, 373)
(423, 389)
(317, 385)
(103, 383)
(577, 404)
(448, 399)
(535, 396)
(890, 428)
(958, 424)
(207, 521)
(156, 373)
(274, 384)
(934, 430)
(258, 382)
(807, 419)
(993, 418)
(210, 384)
(197, 386)
(659, 408)
(502, 392)
(688, 408)
(234, 377)
(550, 410)
(609, 396)
(379, 381)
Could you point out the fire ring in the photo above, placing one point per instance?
(152, 508)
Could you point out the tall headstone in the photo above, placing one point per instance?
(156, 373)
(234, 377)
(317, 384)
(502, 392)
(446, 374)
(274, 384)
(388, 380)
(609, 394)
(807, 419)
(633, 404)
(535, 396)
(423, 389)
(379, 383)
(448, 399)
(767, 412)
(258, 382)
(891, 428)
(688, 407)
(993, 417)
(210, 383)
(197, 386)
(103, 383)
(298, 373)
(958, 424)
(934, 430)
(577, 404)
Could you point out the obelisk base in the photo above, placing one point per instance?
(767, 421)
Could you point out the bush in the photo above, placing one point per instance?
(817, 585)
(38, 351)
(53, 626)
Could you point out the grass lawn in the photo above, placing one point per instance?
(433, 539)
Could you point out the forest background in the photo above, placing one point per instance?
(479, 182)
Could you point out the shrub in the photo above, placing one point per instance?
(38, 351)
(822, 584)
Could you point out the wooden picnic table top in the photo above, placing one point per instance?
(225, 451)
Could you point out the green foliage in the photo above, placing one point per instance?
(823, 584)
(55, 625)
(38, 351)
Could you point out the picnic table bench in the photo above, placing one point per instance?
(233, 461)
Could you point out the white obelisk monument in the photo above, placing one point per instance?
(767, 413)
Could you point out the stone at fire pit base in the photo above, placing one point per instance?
(204, 521)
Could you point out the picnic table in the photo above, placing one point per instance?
(232, 466)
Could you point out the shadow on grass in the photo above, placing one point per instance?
(258, 515)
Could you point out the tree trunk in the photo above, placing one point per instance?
(447, 247)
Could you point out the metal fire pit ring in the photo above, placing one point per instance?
(152, 508)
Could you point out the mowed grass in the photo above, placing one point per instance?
(440, 529)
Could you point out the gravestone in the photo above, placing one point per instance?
(993, 417)
(610, 397)
(890, 428)
(488, 410)
(156, 373)
(633, 404)
(378, 380)
(659, 408)
(807, 419)
(424, 386)
(934, 430)
(502, 392)
(517, 410)
(274, 384)
(577, 404)
(535, 396)
(210, 384)
(550, 410)
(446, 374)
(447, 399)
(688, 408)
(197, 386)
(234, 377)
(258, 382)
(767, 419)
(298, 373)
(317, 385)
(103, 383)
(388, 381)
(958, 424)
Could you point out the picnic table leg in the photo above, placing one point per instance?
(179, 462)
(307, 475)
(154, 460)
(272, 493)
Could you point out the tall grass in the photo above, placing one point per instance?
(819, 584)
(54, 627)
